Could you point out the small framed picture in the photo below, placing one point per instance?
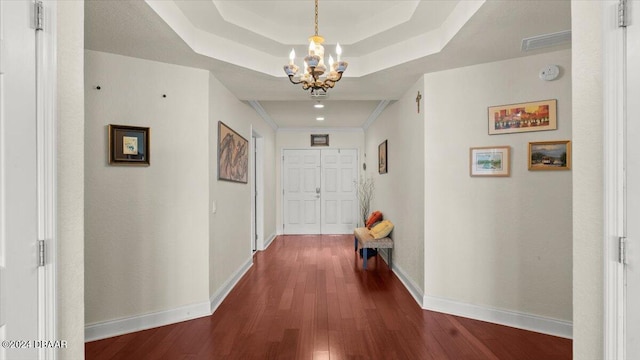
(382, 158)
(128, 145)
(550, 155)
(524, 117)
(489, 161)
(319, 139)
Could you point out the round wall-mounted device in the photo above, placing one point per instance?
(549, 72)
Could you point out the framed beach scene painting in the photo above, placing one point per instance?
(489, 161)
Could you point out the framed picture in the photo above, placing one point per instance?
(128, 145)
(382, 158)
(515, 118)
(550, 155)
(489, 161)
(233, 155)
(319, 139)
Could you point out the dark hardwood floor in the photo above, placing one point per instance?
(306, 297)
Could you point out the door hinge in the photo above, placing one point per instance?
(39, 15)
(622, 250)
(40, 252)
(622, 13)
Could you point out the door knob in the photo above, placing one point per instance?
(317, 190)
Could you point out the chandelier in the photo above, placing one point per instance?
(314, 65)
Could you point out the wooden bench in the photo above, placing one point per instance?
(364, 241)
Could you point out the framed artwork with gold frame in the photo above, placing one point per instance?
(550, 155)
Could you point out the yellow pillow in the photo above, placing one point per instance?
(381, 230)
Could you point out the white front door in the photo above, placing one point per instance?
(339, 197)
(18, 187)
(319, 191)
(301, 192)
(632, 269)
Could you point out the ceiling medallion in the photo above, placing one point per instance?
(314, 65)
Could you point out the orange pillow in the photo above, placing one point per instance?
(374, 218)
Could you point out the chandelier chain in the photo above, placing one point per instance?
(316, 17)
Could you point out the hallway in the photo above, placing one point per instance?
(307, 298)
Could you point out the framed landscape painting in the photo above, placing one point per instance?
(489, 161)
(550, 155)
(524, 117)
(233, 155)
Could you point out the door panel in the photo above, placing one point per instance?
(339, 201)
(301, 185)
(18, 190)
(632, 269)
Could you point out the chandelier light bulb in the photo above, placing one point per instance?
(292, 56)
(330, 62)
(338, 51)
(312, 48)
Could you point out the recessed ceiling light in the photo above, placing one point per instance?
(318, 106)
(320, 118)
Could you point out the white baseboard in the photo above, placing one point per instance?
(411, 286)
(113, 328)
(515, 319)
(216, 299)
(268, 242)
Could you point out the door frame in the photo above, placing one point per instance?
(614, 39)
(46, 54)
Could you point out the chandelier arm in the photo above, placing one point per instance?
(294, 82)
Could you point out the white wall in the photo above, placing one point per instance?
(301, 139)
(230, 231)
(586, 24)
(147, 228)
(70, 178)
(496, 243)
(399, 194)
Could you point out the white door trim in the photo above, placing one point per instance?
(47, 169)
(259, 178)
(257, 184)
(614, 119)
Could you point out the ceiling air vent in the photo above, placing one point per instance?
(546, 40)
